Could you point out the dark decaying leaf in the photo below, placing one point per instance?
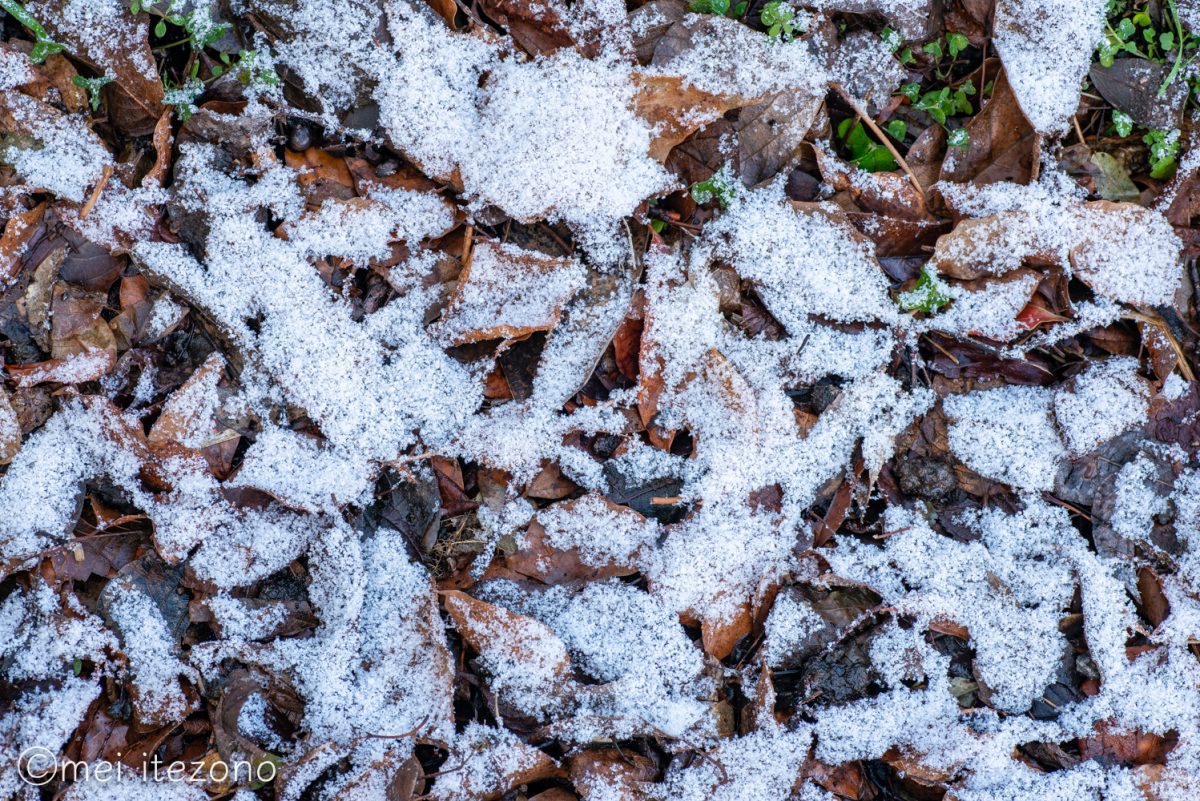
(1132, 86)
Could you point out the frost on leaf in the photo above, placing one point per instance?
(1007, 434)
(507, 293)
(1046, 47)
(1124, 252)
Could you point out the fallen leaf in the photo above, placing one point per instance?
(1003, 144)
(1132, 86)
(508, 293)
(19, 231)
(116, 43)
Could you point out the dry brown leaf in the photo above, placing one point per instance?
(10, 429)
(649, 23)
(843, 780)
(971, 249)
(673, 109)
(611, 773)
(508, 293)
(162, 151)
(506, 637)
(887, 193)
(1128, 748)
(187, 416)
(775, 121)
(550, 484)
(537, 28)
(770, 133)
(537, 559)
(446, 9)
(116, 45)
(322, 175)
(77, 326)
(721, 635)
(19, 231)
(1003, 144)
(492, 764)
(59, 72)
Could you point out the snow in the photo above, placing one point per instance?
(1124, 252)
(1007, 434)
(333, 396)
(1107, 400)
(65, 158)
(1046, 47)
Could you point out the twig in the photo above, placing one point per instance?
(875, 129)
(91, 201)
(1078, 130)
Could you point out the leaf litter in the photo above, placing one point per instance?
(603, 400)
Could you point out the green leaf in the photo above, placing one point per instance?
(927, 296)
(1122, 122)
(1125, 29)
(93, 87)
(77, 666)
(43, 46)
(135, 7)
(956, 43)
(720, 186)
(1166, 40)
(864, 152)
(906, 56)
(740, 9)
(898, 129)
(891, 37)
(1164, 147)
(934, 49)
(160, 30)
(720, 6)
(43, 50)
(911, 90)
(658, 226)
(959, 138)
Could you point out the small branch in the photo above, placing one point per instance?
(879, 134)
(91, 201)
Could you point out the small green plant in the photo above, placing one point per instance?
(898, 129)
(956, 43)
(721, 186)
(43, 45)
(1136, 35)
(720, 7)
(946, 102)
(182, 97)
(93, 87)
(941, 104)
(895, 42)
(780, 19)
(255, 70)
(198, 24)
(1164, 148)
(864, 151)
(958, 137)
(927, 296)
(1122, 122)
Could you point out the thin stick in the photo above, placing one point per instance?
(875, 129)
(91, 202)
(1078, 130)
